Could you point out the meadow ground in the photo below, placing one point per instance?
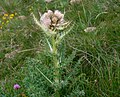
(89, 55)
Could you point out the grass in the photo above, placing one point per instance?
(90, 60)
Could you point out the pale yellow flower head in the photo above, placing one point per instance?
(6, 15)
(12, 15)
(52, 20)
(4, 18)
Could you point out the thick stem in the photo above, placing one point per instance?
(56, 66)
(55, 61)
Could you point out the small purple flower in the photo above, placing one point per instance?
(16, 86)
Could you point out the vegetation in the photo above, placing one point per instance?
(89, 54)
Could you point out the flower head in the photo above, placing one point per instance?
(5, 14)
(0, 27)
(16, 86)
(4, 18)
(12, 15)
(58, 14)
(52, 20)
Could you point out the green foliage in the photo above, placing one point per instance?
(37, 84)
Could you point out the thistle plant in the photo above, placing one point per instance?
(53, 26)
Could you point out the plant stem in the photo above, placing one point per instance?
(55, 61)
(56, 66)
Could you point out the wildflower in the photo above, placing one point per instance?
(4, 18)
(0, 27)
(6, 15)
(12, 15)
(75, 1)
(7, 21)
(90, 29)
(48, 1)
(3, 23)
(16, 86)
(52, 20)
